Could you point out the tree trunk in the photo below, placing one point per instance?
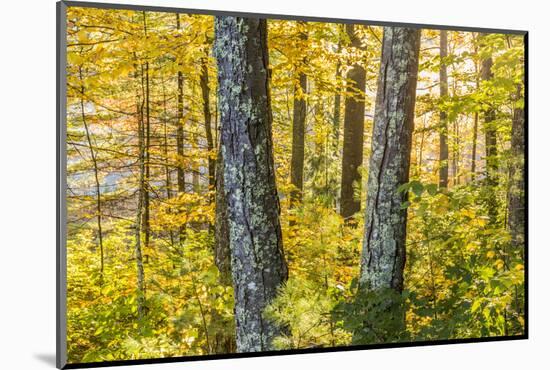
(224, 340)
(146, 195)
(196, 163)
(222, 253)
(257, 260)
(354, 123)
(140, 291)
(298, 130)
(205, 90)
(180, 138)
(516, 191)
(456, 153)
(383, 255)
(474, 146)
(167, 173)
(443, 129)
(476, 116)
(96, 176)
(337, 96)
(490, 147)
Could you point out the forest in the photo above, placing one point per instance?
(244, 184)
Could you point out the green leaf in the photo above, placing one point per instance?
(431, 189)
(417, 188)
(403, 188)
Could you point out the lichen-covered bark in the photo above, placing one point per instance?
(223, 341)
(257, 260)
(443, 129)
(354, 125)
(383, 255)
(222, 254)
(516, 191)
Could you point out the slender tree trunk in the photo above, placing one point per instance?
(476, 115)
(180, 138)
(146, 195)
(443, 129)
(257, 260)
(96, 174)
(474, 145)
(421, 149)
(298, 128)
(337, 97)
(140, 293)
(354, 124)
(383, 256)
(166, 143)
(516, 191)
(205, 90)
(490, 147)
(196, 164)
(337, 108)
(166, 167)
(456, 153)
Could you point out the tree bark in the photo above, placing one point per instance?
(205, 90)
(146, 195)
(257, 260)
(222, 253)
(443, 129)
(474, 146)
(476, 116)
(516, 191)
(167, 172)
(456, 153)
(298, 130)
(354, 124)
(337, 96)
(180, 138)
(96, 175)
(490, 147)
(140, 291)
(224, 340)
(383, 255)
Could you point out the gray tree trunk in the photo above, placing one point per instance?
(443, 129)
(354, 125)
(179, 132)
(298, 132)
(516, 191)
(205, 92)
(180, 137)
(257, 261)
(140, 291)
(383, 255)
(337, 95)
(490, 146)
(222, 254)
(146, 194)
(476, 116)
(224, 340)
(93, 156)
